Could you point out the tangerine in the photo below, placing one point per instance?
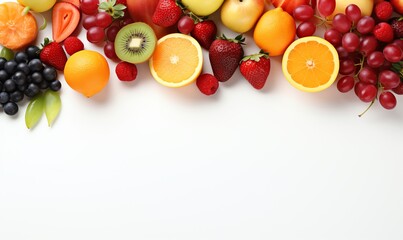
(17, 30)
(87, 72)
(275, 31)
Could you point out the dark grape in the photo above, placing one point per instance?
(35, 65)
(55, 85)
(306, 29)
(3, 76)
(303, 13)
(368, 44)
(333, 36)
(23, 67)
(109, 50)
(21, 57)
(16, 96)
(4, 97)
(9, 86)
(350, 42)
(36, 78)
(10, 108)
(347, 66)
(387, 100)
(342, 52)
(32, 90)
(112, 32)
(345, 84)
(10, 67)
(399, 89)
(341, 23)
(49, 74)
(368, 75)
(19, 78)
(365, 25)
(32, 52)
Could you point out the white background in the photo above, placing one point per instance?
(142, 161)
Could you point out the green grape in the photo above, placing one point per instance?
(38, 5)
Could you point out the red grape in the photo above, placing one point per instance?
(368, 75)
(342, 52)
(367, 93)
(389, 79)
(387, 100)
(365, 25)
(368, 45)
(326, 7)
(399, 89)
(104, 19)
(89, 7)
(333, 36)
(96, 35)
(353, 12)
(341, 23)
(109, 50)
(125, 21)
(303, 13)
(350, 42)
(306, 29)
(399, 43)
(89, 22)
(112, 32)
(345, 84)
(186, 24)
(375, 59)
(358, 87)
(392, 53)
(347, 66)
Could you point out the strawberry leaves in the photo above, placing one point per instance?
(113, 9)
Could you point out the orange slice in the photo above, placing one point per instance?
(311, 64)
(177, 60)
(16, 30)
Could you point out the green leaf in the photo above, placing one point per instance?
(103, 6)
(53, 105)
(34, 111)
(119, 7)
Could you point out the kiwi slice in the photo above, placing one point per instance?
(135, 42)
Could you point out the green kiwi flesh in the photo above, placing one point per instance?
(135, 43)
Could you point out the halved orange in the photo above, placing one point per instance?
(311, 64)
(177, 60)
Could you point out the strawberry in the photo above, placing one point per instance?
(383, 32)
(126, 71)
(256, 68)
(205, 33)
(167, 13)
(207, 84)
(383, 10)
(73, 45)
(225, 55)
(52, 54)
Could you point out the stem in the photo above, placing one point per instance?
(25, 11)
(370, 105)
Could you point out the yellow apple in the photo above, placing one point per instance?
(365, 6)
(241, 15)
(202, 7)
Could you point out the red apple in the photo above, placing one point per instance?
(289, 5)
(241, 15)
(142, 11)
(397, 6)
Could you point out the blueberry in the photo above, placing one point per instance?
(35, 65)
(3, 75)
(32, 90)
(22, 88)
(2, 62)
(4, 97)
(36, 77)
(43, 85)
(32, 52)
(10, 108)
(21, 57)
(23, 67)
(19, 78)
(55, 85)
(10, 67)
(50, 74)
(9, 85)
(16, 96)
(1, 86)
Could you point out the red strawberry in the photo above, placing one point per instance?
(167, 13)
(256, 68)
(383, 10)
(207, 84)
(73, 45)
(126, 71)
(52, 54)
(383, 32)
(205, 33)
(225, 55)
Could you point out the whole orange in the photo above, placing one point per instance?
(275, 31)
(87, 72)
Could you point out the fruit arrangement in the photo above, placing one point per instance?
(355, 44)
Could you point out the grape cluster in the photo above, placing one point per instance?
(24, 75)
(100, 26)
(369, 65)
